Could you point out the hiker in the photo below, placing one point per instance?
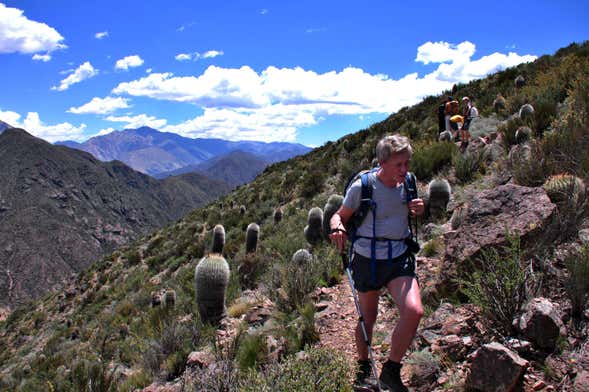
(451, 109)
(383, 259)
(469, 113)
(442, 115)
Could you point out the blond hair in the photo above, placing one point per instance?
(393, 144)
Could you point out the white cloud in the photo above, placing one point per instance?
(42, 57)
(440, 52)
(242, 104)
(263, 11)
(148, 70)
(51, 133)
(139, 121)
(101, 106)
(66, 71)
(129, 62)
(83, 72)
(183, 57)
(209, 54)
(18, 34)
(315, 30)
(101, 35)
(103, 132)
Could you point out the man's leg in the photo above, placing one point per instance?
(405, 293)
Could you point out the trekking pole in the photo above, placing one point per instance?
(346, 264)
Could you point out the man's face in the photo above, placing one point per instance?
(397, 166)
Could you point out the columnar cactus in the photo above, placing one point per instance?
(251, 238)
(562, 188)
(169, 298)
(302, 257)
(438, 192)
(333, 204)
(519, 81)
(523, 134)
(314, 226)
(499, 103)
(211, 277)
(526, 112)
(218, 239)
(242, 209)
(278, 214)
(445, 136)
(156, 299)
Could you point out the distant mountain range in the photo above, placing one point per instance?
(152, 152)
(4, 126)
(61, 209)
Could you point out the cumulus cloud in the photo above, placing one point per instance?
(103, 132)
(18, 34)
(83, 72)
(101, 35)
(105, 105)
(42, 57)
(140, 120)
(209, 54)
(129, 62)
(51, 133)
(241, 104)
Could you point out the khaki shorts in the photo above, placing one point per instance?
(386, 271)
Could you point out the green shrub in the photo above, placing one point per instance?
(430, 159)
(468, 164)
(318, 370)
(500, 284)
(577, 283)
(252, 351)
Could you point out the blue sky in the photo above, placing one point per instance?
(304, 71)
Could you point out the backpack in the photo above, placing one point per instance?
(366, 202)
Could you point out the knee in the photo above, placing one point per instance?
(413, 312)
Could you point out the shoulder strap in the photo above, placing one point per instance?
(410, 186)
(367, 182)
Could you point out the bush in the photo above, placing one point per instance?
(468, 164)
(319, 370)
(431, 159)
(577, 283)
(252, 351)
(500, 284)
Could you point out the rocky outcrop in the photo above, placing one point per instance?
(495, 368)
(485, 223)
(541, 323)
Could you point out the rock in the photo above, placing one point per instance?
(584, 236)
(495, 368)
(541, 323)
(525, 211)
(538, 385)
(202, 359)
(582, 381)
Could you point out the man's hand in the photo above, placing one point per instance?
(416, 207)
(339, 236)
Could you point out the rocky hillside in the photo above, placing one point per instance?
(152, 152)
(503, 268)
(61, 209)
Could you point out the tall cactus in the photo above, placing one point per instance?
(523, 134)
(218, 239)
(563, 188)
(169, 298)
(251, 238)
(519, 81)
(499, 104)
(302, 257)
(526, 112)
(445, 136)
(211, 278)
(333, 204)
(242, 209)
(278, 214)
(314, 226)
(438, 191)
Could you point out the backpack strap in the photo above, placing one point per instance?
(410, 194)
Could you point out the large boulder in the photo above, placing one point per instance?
(495, 368)
(517, 209)
(541, 323)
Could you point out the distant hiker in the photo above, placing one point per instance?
(451, 109)
(442, 114)
(382, 254)
(469, 113)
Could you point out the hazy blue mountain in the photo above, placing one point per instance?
(4, 126)
(235, 168)
(152, 152)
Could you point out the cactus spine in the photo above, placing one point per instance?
(314, 225)
(211, 277)
(438, 191)
(251, 238)
(218, 239)
(302, 257)
(333, 204)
